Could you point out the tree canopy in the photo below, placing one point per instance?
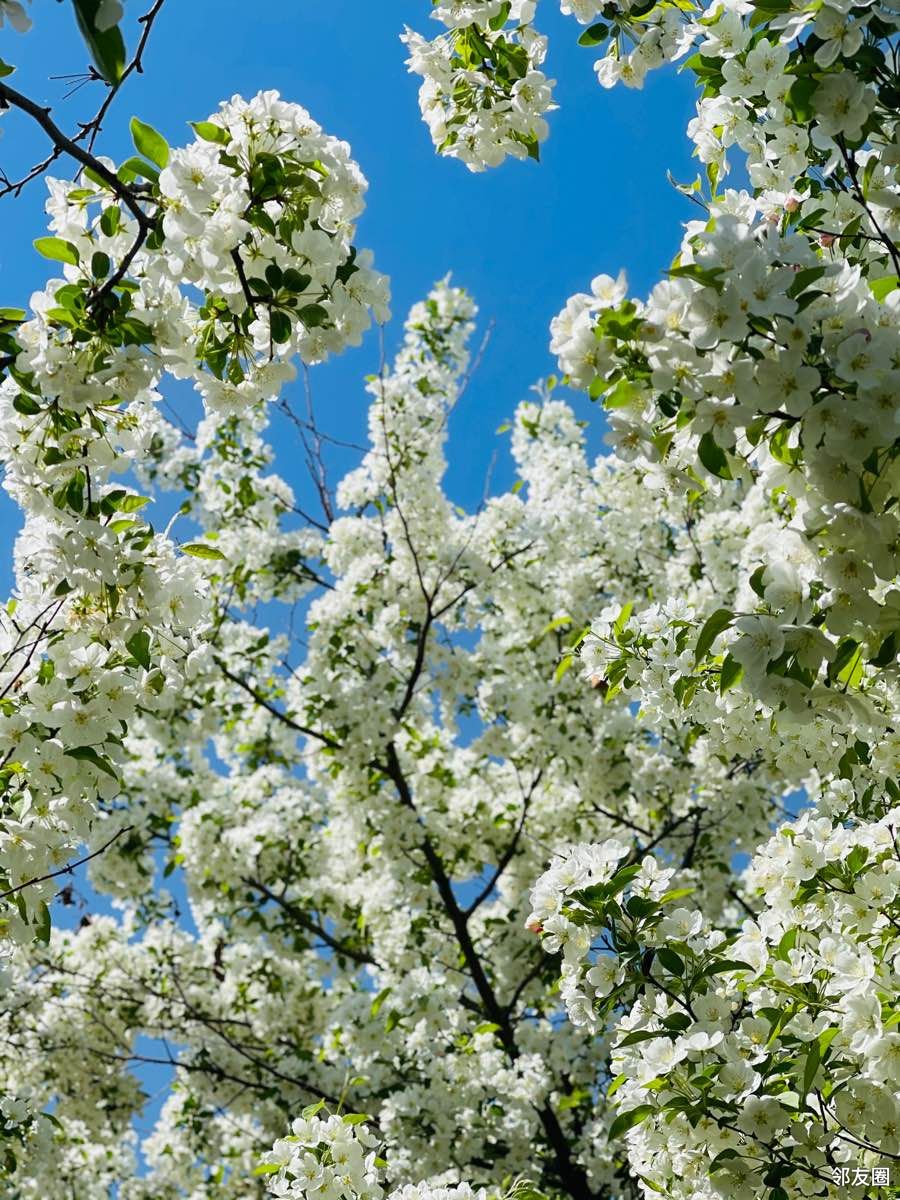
(487, 820)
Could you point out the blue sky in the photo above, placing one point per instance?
(521, 238)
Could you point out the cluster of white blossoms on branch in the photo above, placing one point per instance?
(764, 371)
(259, 214)
(331, 1158)
(764, 79)
(754, 396)
(336, 1158)
(764, 1056)
(109, 620)
(483, 94)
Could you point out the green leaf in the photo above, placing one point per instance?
(712, 627)
(296, 281)
(845, 652)
(722, 1158)
(313, 315)
(641, 1035)
(786, 944)
(558, 623)
(355, 1118)
(627, 1120)
(42, 925)
(622, 619)
(562, 667)
(109, 220)
(379, 1000)
(57, 249)
(706, 276)
(813, 1059)
(881, 288)
(731, 674)
(311, 1110)
(640, 907)
(281, 326)
(210, 132)
(26, 405)
(135, 168)
(713, 457)
(139, 648)
(149, 142)
(887, 652)
(651, 1184)
(722, 966)
(267, 1169)
(89, 754)
(799, 99)
(5, 69)
(201, 550)
(756, 582)
(621, 879)
(594, 35)
(826, 1038)
(804, 278)
(106, 45)
(131, 503)
(100, 264)
(673, 962)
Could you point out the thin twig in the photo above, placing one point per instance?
(69, 869)
(91, 129)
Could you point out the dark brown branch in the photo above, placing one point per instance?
(69, 869)
(9, 97)
(242, 276)
(850, 163)
(276, 712)
(299, 917)
(136, 66)
(91, 129)
(507, 856)
(571, 1174)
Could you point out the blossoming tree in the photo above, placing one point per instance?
(494, 883)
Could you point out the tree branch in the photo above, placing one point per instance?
(69, 869)
(571, 1175)
(276, 712)
(91, 129)
(300, 918)
(10, 98)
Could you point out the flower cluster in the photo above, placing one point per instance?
(109, 620)
(760, 1056)
(290, 797)
(330, 1158)
(357, 813)
(764, 371)
(258, 213)
(767, 73)
(483, 95)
